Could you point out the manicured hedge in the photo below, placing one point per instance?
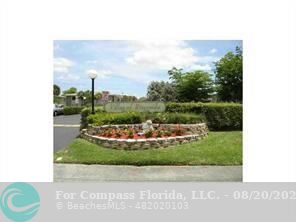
(85, 113)
(219, 116)
(114, 118)
(69, 110)
(133, 118)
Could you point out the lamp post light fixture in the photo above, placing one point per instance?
(92, 75)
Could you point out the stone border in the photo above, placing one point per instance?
(144, 144)
(198, 128)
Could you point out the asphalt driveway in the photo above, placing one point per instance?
(66, 129)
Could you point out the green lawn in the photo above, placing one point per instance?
(219, 148)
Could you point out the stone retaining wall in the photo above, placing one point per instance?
(193, 132)
(198, 128)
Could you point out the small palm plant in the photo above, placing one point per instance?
(149, 134)
(159, 133)
(130, 134)
(118, 133)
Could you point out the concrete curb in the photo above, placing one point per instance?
(99, 173)
(64, 125)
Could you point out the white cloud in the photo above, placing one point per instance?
(213, 51)
(104, 73)
(137, 73)
(143, 61)
(148, 56)
(208, 59)
(62, 65)
(68, 77)
(205, 67)
(162, 54)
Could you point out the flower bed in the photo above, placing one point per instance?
(131, 137)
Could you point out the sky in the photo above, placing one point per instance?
(127, 67)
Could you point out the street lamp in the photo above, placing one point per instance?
(92, 74)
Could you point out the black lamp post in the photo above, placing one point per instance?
(92, 74)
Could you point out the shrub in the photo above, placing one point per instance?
(130, 134)
(134, 118)
(167, 133)
(185, 118)
(179, 131)
(184, 107)
(118, 133)
(159, 133)
(149, 134)
(114, 118)
(85, 113)
(69, 110)
(109, 133)
(224, 117)
(219, 116)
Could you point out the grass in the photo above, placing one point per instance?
(219, 148)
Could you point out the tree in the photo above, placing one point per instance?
(196, 86)
(126, 98)
(85, 96)
(229, 76)
(161, 91)
(98, 95)
(70, 90)
(56, 90)
(175, 75)
(191, 86)
(142, 99)
(80, 95)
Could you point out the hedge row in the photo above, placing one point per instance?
(219, 116)
(133, 118)
(85, 113)
(69, 110)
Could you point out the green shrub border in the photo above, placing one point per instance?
(219, 116)
(85, 113)
(70, 110)
(135, 118)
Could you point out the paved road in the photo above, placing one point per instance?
(66, 129)
(94, 173)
